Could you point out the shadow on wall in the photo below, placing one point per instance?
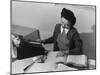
(89, 43)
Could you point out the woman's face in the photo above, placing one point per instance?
(65, 23)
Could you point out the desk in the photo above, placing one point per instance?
(18, 66)
(48, 66)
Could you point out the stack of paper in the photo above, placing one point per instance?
(54, 58)
(92, 64)
(41, 67)
(51, 57)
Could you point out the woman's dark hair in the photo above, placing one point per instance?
(69, 15)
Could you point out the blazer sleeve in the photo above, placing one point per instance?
(77, 42)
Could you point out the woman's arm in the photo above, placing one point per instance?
(48, 40)
(77, 42)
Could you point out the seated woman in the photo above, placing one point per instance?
(66, 38)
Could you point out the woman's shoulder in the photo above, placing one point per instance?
(73, 30)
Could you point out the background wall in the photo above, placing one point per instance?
(44, 17)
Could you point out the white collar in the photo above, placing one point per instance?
(66, 30)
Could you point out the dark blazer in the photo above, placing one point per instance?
(75, 43)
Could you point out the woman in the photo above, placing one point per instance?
(65, 37)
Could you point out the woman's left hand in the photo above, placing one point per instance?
(60, 54)
(66, 52)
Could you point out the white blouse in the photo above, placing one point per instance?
(66, 30)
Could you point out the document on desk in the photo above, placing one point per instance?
(18, 66)
(77, 60)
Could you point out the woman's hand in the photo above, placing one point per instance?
(63, 53)
(60, 54)
(66, 52)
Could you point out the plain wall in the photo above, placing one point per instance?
(44, 16)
